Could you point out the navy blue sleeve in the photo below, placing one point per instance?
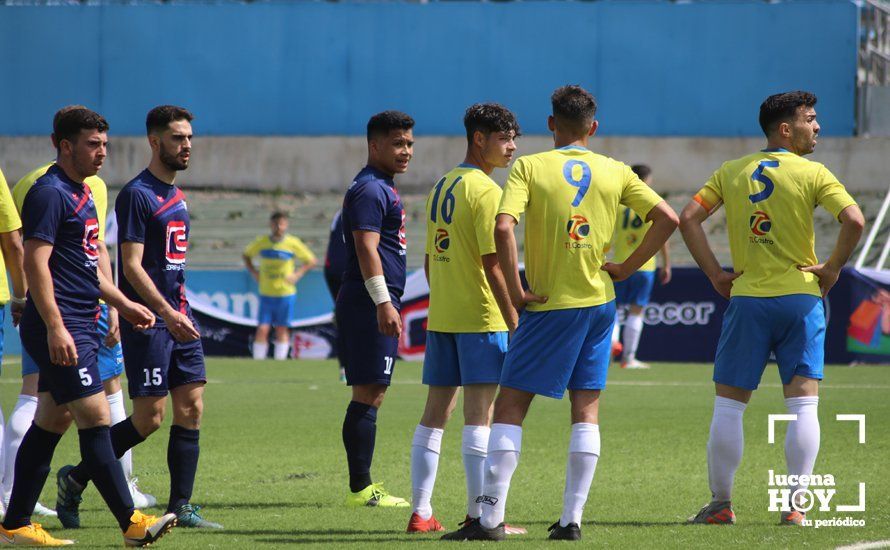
(43, 212)
(133, 211)
(366, 208)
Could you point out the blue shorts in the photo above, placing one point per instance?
(65, 384)
(793, 327)
(276, 310)
(156, 363)
(369, 356)
(636, 289)
(564, 348)
(111, 360)
(461, 359)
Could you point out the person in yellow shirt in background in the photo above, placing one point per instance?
(775, 291)
(634, 291)
(277, 276)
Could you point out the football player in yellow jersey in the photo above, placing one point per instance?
(571, 196)
(277, 276)
(469, 312)
(634, 291)
(775, 293)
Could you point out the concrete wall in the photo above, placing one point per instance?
(307, 164)
(322, 68)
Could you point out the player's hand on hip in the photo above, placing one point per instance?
(113, 337)
(722, 282)
(62, 350)
(139, 316)
(181, 327)
(616, 271)
(389, 321)
(16, 310)
(529, 297)
(664, 275)
(827, 275)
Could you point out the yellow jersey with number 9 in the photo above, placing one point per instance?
(460, 216)
(770, 197)
(571, 196)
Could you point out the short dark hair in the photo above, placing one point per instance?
(779, 108)
(642, 171)
(161, 116)
(278, 216)
(489, 118)
(70, 120)
(573, 107)
(383, 123)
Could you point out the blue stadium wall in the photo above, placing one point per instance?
(313, 68)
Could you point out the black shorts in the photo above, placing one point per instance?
(156, 363)
(368, 356)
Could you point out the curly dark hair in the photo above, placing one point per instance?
(779, 108)
(161, 116)
(489, 118)
(382, 123)
(573, 108)
(70, 120)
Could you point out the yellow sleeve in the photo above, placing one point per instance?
(515, 196)
(19, 191)
(9, 216)
(637, 195)
(254, 248)
(831, 194)
(100, 199)
(710, 197)
(484, 215)
(301, 250)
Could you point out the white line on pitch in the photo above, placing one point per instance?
(866, 545)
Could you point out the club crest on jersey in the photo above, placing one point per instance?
(403, 236)
(91, 239)
(177, 242)
(443, 241)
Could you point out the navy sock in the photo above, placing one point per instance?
(359, 434)
(182, 460)
(98, 458)
(123, 438)
(31, 468)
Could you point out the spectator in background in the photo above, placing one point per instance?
(334, 266)
(277, 277)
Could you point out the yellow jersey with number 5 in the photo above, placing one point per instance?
(460, 216)
(571, 198)
(770, 197)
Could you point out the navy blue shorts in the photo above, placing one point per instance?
(65, 384)
(792, 327)
(552, 351)
(156, 363)
(636, 289)
(461, 359)
(276, 310)
(369, 356)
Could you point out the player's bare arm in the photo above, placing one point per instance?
(298, 273)
(137, 314)
(179, 325)
(664, 223)
(852, 223)
(498, 284)
(664, 276)
(114, 329)
(389, 322)
(62, 350)
(508, 258)
(697, 242)
(13, 254)
(248, 263)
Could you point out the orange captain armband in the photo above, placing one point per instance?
(706, 204)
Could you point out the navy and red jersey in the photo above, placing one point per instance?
(60, 211)
(372, 203)
(154, 213)
(335, 258)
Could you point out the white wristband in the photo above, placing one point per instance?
(376, 286)
(17, 301)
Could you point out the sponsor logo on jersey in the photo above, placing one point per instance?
(177, 242)
(443, 241)
(91, 239)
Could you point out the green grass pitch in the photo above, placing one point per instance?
(273, 468)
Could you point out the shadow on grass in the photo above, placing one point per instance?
(593, 524)
(308, 532)
(209, 506)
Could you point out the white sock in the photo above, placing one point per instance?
(504, 446)
(474, 447)
(19, 421)
(425, 450)
(280, 351)
(802, 438)
(260, 350)
(633, 327)
(584, 452)
(616, 331)
(725, 446)
(119, 414)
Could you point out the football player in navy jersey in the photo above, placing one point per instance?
(368, 320)
(58, 329)
(153, 237)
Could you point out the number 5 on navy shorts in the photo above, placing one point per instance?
(552, 351)
(156, 363)
(461, 359)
